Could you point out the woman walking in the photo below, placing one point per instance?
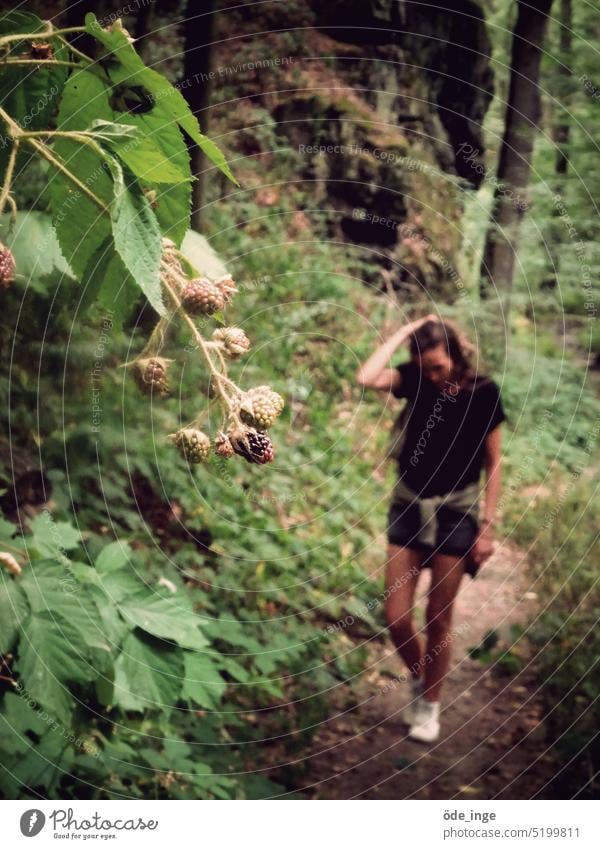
(450, 432)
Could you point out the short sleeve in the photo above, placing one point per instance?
(409, 384)
(491, 410)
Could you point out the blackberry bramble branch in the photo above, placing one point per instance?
(246, 414)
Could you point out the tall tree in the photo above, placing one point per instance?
(565, 70)
(199, 37)
(561, 86)
(514, 164)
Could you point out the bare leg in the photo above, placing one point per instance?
(446, 574)
(402, 572)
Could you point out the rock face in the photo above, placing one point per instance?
(375, 100)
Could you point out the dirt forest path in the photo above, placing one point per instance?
(492, 741)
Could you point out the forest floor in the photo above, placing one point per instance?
(492, 741)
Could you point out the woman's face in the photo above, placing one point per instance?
(435, 364)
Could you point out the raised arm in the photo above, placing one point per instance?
(375, 373)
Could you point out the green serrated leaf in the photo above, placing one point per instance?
(51, 655)
(205, 260)
(167, 617)
(51, 537)
(109, 131)
(148, 674)
(107, 281)
(33, 231)
(113, 557)
(137, 240)
(51, 587)
(13, 610)
(81, 225)
(7, 529)
(133, 72)
(29, 93)
(203, 683)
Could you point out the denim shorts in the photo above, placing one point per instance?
(456, 532)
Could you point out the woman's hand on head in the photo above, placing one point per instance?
(419, 322)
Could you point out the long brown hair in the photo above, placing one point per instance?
(431, 334)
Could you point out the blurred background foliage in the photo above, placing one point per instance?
(272, 558)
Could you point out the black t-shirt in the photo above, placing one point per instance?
(445, 433)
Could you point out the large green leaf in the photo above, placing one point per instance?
(203, 682)
(31, 230)
(113, 557)
(80, 224)
(159, 157)
(202, 255)
(29, 93)
(167, 617)
(107, 251)
(52, 587)
(112, 133)
(138, 242)
(132, 72)
(13, 610)
(51, 537)
(120, 584)
(148, 674)
(52, 653)
(107, 281)
(20, 717)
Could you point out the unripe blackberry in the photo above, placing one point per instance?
(226, 287)
(7, 266)
(233, 341)
(223, 446)
(261, 406)
(151, 375)
(201, 297)
(252, 445)
(193, 444)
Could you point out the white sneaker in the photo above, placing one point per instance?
(426, 725)
(409, 714)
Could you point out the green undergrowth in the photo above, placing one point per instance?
(559, 531)
(199, 636)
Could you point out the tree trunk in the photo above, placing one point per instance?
(565, 70)
(199, 36)
(514, 165)
(560, 137)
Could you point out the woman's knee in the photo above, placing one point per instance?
(438, 618)
(399, 619)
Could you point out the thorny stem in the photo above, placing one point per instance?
(218, 377)
(37, 36)
(75, 50)
(32, 139)
(76, 135)
(6, 546)
(5, 192)
(40, 62)
(13, 210)
(224, 364)
(43, 151)
(17, 134)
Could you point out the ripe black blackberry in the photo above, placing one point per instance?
(253, 445)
